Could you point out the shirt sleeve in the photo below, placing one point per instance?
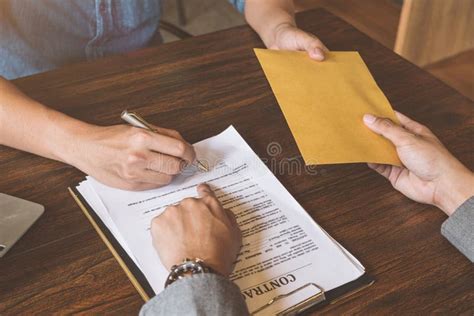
(459, 228)
(238, 4)
(202, 294)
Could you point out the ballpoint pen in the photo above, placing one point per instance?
(136, 120)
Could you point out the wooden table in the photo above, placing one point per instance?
(199, 87)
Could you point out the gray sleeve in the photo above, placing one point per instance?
(202, 294)
(459, 228)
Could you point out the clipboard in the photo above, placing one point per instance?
(144, 289)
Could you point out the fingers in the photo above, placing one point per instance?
(394, 174)
(232, 219)
(289, 37)
(149, 178)
(385, 127)
(135, 186)
(150, 167)
(165, 144)
(205, 190)
(412, 126)
(314, 47)
(165, 164)
(207, 194)
(209, 198)
(168, 132)
(384, 170)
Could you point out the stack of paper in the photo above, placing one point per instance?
(283, 248)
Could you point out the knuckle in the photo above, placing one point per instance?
(407, 139)
(167, 214)
(189, 202)
(180, 148)
(169, 209)
(176, 133)
(140, 137)
(425, 130)
(166, 179)
(133, 158)
(211, 200)
(419, 130)
(386, 123)
(155, 222)
(207, 199)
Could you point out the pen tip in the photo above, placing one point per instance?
(202, 166)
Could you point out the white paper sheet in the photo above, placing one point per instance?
(283, 248)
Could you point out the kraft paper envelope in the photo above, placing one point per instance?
(324, 102)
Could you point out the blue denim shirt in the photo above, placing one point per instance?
(39, 35)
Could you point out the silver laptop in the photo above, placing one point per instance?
(16, 217)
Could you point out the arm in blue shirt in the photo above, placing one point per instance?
(238, 4)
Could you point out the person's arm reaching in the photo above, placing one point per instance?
(274, 21)
(198, 228)
(121, 156)
(431, 175)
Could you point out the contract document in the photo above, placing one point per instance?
(283, 248)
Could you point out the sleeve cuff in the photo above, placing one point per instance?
(202, 294)
(459, 228)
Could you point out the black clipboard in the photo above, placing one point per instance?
(138, 280)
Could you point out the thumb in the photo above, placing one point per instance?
(385, 127)
(316, 54)
(314, 47)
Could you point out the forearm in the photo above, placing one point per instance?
(120, 156)
(265, 17)
(30, 126)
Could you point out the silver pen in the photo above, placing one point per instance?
(136, 120)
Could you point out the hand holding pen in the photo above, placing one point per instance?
(130, 158)
(136, 120)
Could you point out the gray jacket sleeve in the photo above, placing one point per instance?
(202, 294)
(459, 228)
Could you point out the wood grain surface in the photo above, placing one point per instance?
(200, 86)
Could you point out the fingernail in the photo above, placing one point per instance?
(369, 118)
(318, 54)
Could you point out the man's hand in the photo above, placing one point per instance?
(130, 158)
(198, 228)
(430, 173)
(274, 21)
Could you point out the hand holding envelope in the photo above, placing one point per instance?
(324, 103)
